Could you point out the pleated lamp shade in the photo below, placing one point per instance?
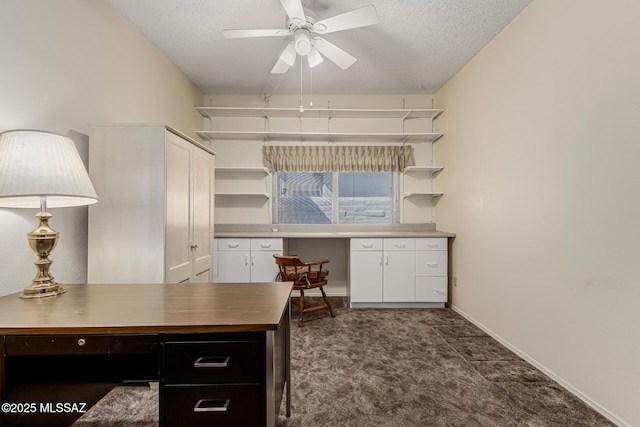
(34, 164)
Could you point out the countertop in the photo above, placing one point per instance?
(345, 231)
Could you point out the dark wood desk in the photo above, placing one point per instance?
(219, 351)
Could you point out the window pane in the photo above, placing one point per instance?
(304, 197)
(365, 197)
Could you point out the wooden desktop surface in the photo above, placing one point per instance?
(148, 308)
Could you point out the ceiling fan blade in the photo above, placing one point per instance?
(341, 58)
(239, 34)
(356, 18)
(314, 57)
(294, 11)
(280, 68)
(288, 55)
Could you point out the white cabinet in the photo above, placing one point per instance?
(431, 270)
(247, 259)
(154, 222)
(397, 272)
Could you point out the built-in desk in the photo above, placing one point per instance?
(393, 265)
(219, 351)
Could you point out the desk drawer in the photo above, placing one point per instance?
(234, 244)
(213, 362)
(217, 405)
(80, 344)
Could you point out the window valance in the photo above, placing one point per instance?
(337, 158)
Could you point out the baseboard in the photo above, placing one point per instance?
(570, 388)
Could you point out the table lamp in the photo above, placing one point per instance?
(42, 170)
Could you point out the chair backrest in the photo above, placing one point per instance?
(291, 268)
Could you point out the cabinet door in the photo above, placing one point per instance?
(263, 266)
(399, 276)
(234, 266)
(203, 169)
(366, 276)
(178, 265)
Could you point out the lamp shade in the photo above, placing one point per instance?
(36, 164)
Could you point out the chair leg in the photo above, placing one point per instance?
(326, 301)
(301, 305)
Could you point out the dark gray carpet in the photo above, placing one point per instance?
(399, 367)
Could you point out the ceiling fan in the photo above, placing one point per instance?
(306, 33)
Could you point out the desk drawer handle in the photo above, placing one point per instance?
(234, 245)
(399, 245)
(432, 245)
(432, 264)
(211, 405)
(440, 291)
(82, 342)
(212, 362)
(367, 245)
(265, 245)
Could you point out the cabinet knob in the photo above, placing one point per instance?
(81, 342)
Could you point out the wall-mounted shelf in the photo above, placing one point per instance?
(422, 169)
(267, 195)
(422, 193)
(212, 135)
(243, 169)
(352, 113)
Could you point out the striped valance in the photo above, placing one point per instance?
(337, 158)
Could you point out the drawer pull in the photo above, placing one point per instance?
(399, 245)
(367, 245)
(82, 342)
(432, 245)
(440, 291)
(212, 362)
(432, 264)
(265, 245)
(211, 405)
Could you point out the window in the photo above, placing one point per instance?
(334, 197)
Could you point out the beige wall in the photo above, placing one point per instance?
(66, 64)
(541, 186)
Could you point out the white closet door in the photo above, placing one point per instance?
(203, 164)
(178, 210)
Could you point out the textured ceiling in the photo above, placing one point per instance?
(416, 48)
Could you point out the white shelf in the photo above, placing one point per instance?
(422, 169)
(212, 135)
(422, 193)
(267, 195)
(354, 113)
(243, 169)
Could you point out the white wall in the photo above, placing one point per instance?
(541, 178)
(66, 64)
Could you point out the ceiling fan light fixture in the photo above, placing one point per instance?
(302, 42)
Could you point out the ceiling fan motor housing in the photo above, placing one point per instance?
(302, 41)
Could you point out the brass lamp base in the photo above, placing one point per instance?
(42, 241)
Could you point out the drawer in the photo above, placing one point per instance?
(80, 344)
(213, 362)
(431, 263)
(266, 244)
(431, 289)
(431, 244)
(401, 244)
(232, 244)
(207, 405)
(372, 244)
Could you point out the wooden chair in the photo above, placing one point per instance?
(304, 275)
